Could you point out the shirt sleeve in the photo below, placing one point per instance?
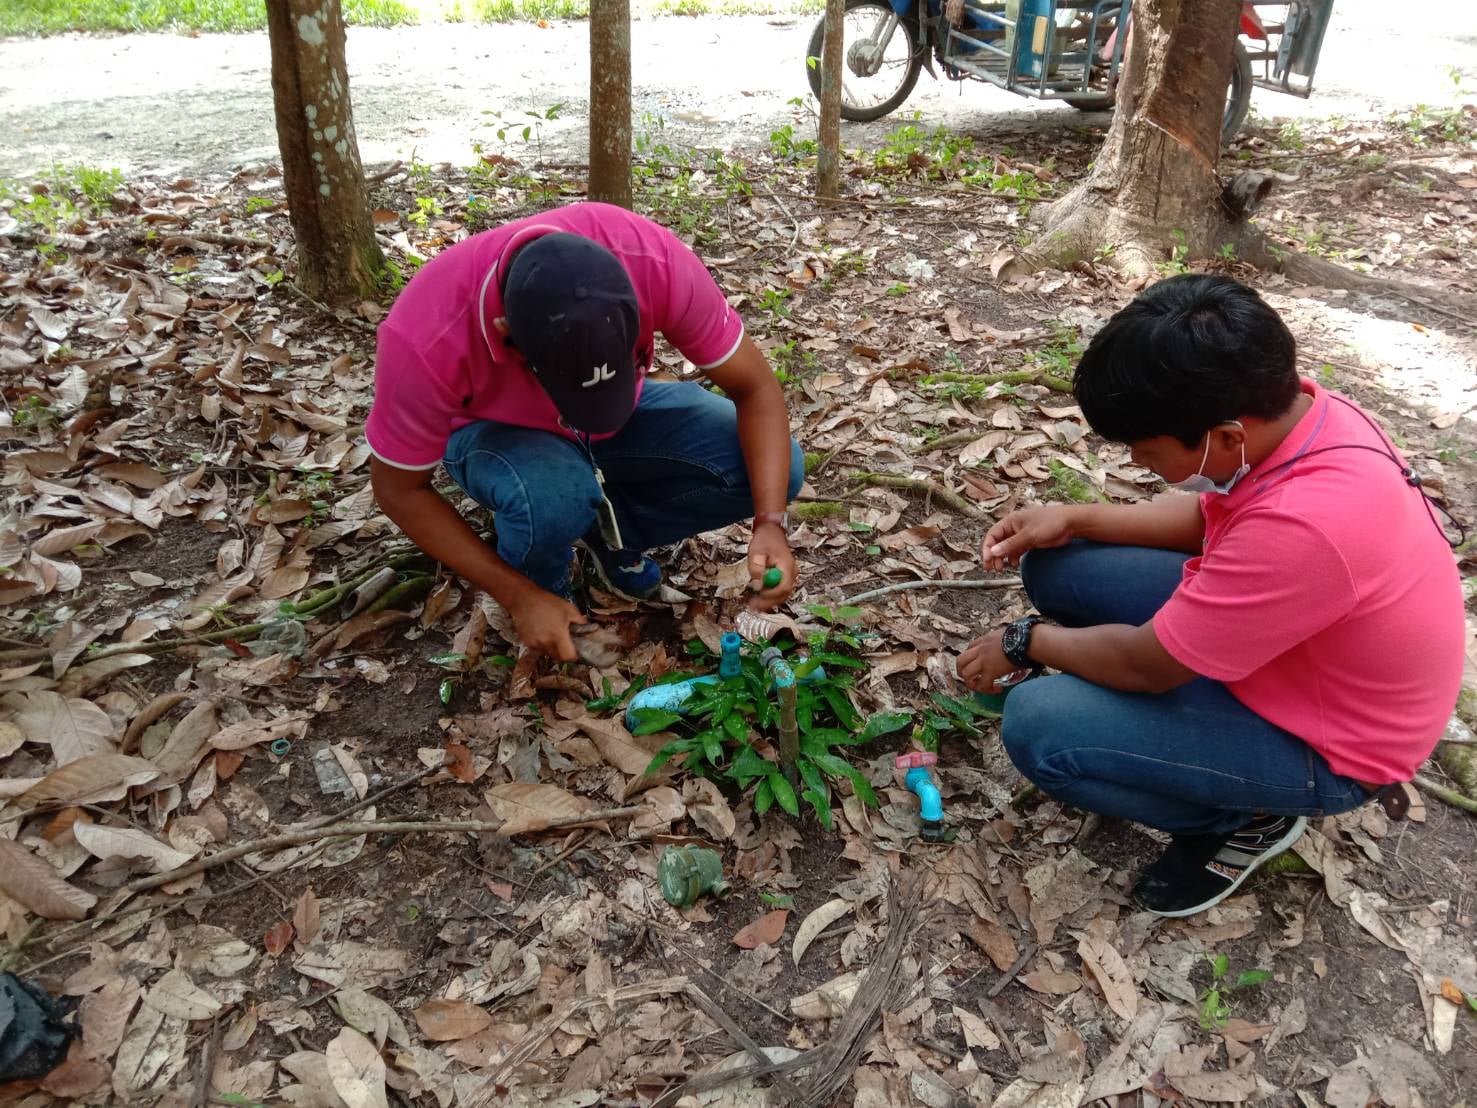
(694, 315)
(410, 420)
(1273, 581)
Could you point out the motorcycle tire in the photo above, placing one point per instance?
(915, 64)
(1238, 97)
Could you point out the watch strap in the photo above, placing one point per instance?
(1015, 644)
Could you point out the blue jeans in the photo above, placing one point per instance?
(674, 470)
(1194, 760)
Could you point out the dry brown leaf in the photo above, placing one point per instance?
(445, 1021)
(186, 745)
(250, 732)
(813, 924)
(91, 780)
(78, 1077)
(73, 728)
(527, 807)
(766, 929)
(708, 809)
(32, 883)
(626, 752)
(284, 511)
(176, 995)
(995, 941)
(12, 738)
(977, 1032)
(1107, 966)
(129, 843)
(104, 1015)
(1051, 983)
(305, 917)
(278, 937)
(356, 1070)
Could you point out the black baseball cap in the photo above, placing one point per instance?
(573, 315)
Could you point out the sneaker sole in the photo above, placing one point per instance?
(1294, 833)
(594, 563)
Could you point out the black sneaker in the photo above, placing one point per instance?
(1196, 872)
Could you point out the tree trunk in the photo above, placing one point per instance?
(610, 101)
(1152, 192)
(828, 163)
(338, 258)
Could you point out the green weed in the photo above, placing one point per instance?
(1216, 1000)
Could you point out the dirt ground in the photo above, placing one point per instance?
(173, 104)
(183, 457)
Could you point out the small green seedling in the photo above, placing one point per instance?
(1215, 1002)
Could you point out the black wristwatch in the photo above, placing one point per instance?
(1015, 644)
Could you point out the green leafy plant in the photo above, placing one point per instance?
(1218, 996)
(719, 727)
(1178, 252)
(950, 715)
(787, 148)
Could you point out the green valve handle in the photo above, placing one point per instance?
(773, 576)
(685, 873)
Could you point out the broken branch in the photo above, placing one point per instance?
(347, 830)
(905, 586)
(1451, 796)
(920, 484)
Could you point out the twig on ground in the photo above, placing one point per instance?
(348, 830)
(920, 484)
(1451, 796)
(385, 174)
(906, 586)
(376, 796)
(1015, 968)
(790, 216)
(207, 1063)
(350, 320)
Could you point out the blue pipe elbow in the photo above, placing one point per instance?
(930, 804)
(664, 698)
(729, 665)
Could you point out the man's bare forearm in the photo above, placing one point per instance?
(439, 530)
(764, 438)
(1171, 521)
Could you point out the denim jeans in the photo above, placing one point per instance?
(1194, 760)
(674, 470)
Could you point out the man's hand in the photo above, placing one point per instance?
(1024, 530)
(983, 663)
(769, 548)
(543, 622)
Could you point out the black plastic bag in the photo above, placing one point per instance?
(34, 1030)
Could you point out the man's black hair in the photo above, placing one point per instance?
(1187, 354)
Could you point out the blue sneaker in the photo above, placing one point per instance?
(628, 572)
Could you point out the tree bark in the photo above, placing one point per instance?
(1153, 188)
(338, 258)
(610, 101)
(828, 162)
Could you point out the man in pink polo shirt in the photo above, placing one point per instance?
(1286, 644)
(517, 359)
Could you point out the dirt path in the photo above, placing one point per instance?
(176, 104)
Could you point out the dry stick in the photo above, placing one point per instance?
(920, 484)
(1451, 796)
(375, 797)
(348, 830)
(718, 1015)
(1010, 974)
(906, 586)
(385, 174)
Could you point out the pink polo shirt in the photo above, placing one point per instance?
(1326, 600)
(441, 363)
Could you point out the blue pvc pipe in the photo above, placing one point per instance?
(930, 803)
(729, 665)
(666, 698)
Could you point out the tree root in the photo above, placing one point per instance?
(932, 489)
(1460, 764)
(1451, 796)
(1011, 377)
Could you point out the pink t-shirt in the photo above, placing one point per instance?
(1326, 600)
(441, 363)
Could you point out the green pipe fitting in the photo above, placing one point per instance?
(685, 873)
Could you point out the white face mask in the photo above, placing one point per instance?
(1198, 482)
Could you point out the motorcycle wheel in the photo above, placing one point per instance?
(1238, 97)
(868, 96)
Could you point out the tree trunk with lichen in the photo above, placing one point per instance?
(1153, 191)
(338, 258)
(828, 161)
(610, 101)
